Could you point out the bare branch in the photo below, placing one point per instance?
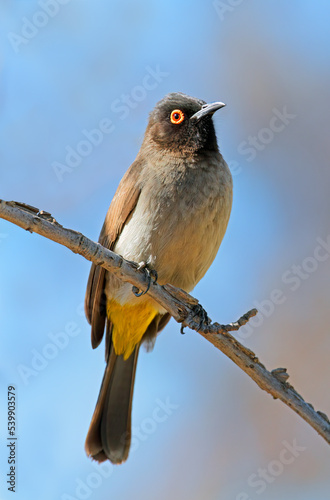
(183, 307)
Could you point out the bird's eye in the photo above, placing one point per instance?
(177, 116)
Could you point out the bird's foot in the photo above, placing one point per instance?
(202, 315)
(200, 312)
(152, 276)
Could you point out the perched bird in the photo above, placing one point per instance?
(170, 212)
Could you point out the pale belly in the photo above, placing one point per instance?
(178, 239)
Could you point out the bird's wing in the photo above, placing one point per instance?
(120, 210)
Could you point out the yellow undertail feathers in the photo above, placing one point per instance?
(130, 322)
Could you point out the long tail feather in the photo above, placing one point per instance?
(109, 434)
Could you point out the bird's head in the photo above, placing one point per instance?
(183, 124)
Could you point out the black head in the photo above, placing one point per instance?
(183, 124)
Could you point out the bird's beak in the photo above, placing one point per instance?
(207, 110)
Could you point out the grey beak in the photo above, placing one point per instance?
(207, 110)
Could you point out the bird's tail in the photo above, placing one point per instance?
(109, 434)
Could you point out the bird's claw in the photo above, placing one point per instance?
(152, 276)
(202, 315)
(199, 311)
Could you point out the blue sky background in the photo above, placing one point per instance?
(257, 57)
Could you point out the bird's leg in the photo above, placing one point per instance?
(151, 275)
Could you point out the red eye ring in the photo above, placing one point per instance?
(177, 116)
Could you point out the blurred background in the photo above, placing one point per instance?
(66, 66)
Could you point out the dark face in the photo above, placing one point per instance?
(172, 127)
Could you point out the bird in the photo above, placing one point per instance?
(169, 214)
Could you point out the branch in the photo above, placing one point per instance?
(184, 308)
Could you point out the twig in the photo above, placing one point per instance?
(183, 307)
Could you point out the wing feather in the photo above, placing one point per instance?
(120, 210)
